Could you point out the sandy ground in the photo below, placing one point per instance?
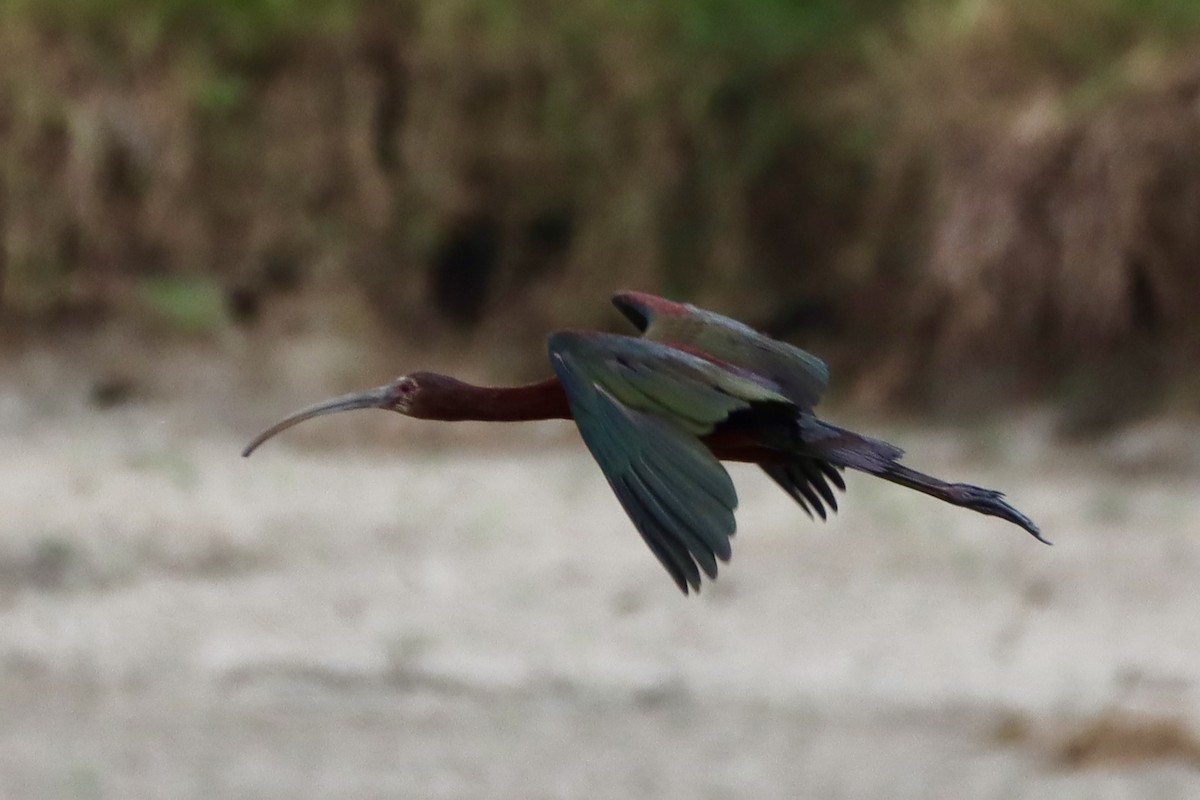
(467, 614)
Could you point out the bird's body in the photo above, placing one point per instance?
(660, 412)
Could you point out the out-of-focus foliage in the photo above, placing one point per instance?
(189, 305)
(931, 182)
(1049, 152)
(134, 27)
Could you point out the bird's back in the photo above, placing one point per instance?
(803, 376)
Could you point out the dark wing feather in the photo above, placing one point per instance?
(677, 494)
(808, 481)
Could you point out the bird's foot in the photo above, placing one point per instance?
(992, 503)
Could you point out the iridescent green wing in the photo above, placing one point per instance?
(802, 376)
(640, 407)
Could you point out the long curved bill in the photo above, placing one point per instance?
(378, 397)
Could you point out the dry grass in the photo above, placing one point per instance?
(566, 152)
(1070, 232)
(1125, 740)
(1039, 195)
(1010, 185)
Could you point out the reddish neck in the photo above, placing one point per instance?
(455, 401)
(451, 400)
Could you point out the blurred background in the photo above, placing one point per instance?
(985, 214)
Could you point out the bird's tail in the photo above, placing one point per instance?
(844, 448)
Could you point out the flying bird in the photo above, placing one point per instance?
(661, 411)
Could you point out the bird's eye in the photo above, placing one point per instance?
(401, 393)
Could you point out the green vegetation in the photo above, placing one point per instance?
(769, 153)
(137, 27)
(185, 304)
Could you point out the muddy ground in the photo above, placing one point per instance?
(372, 608)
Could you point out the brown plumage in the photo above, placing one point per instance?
(660, 412)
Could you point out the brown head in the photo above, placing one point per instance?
(415, 395)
